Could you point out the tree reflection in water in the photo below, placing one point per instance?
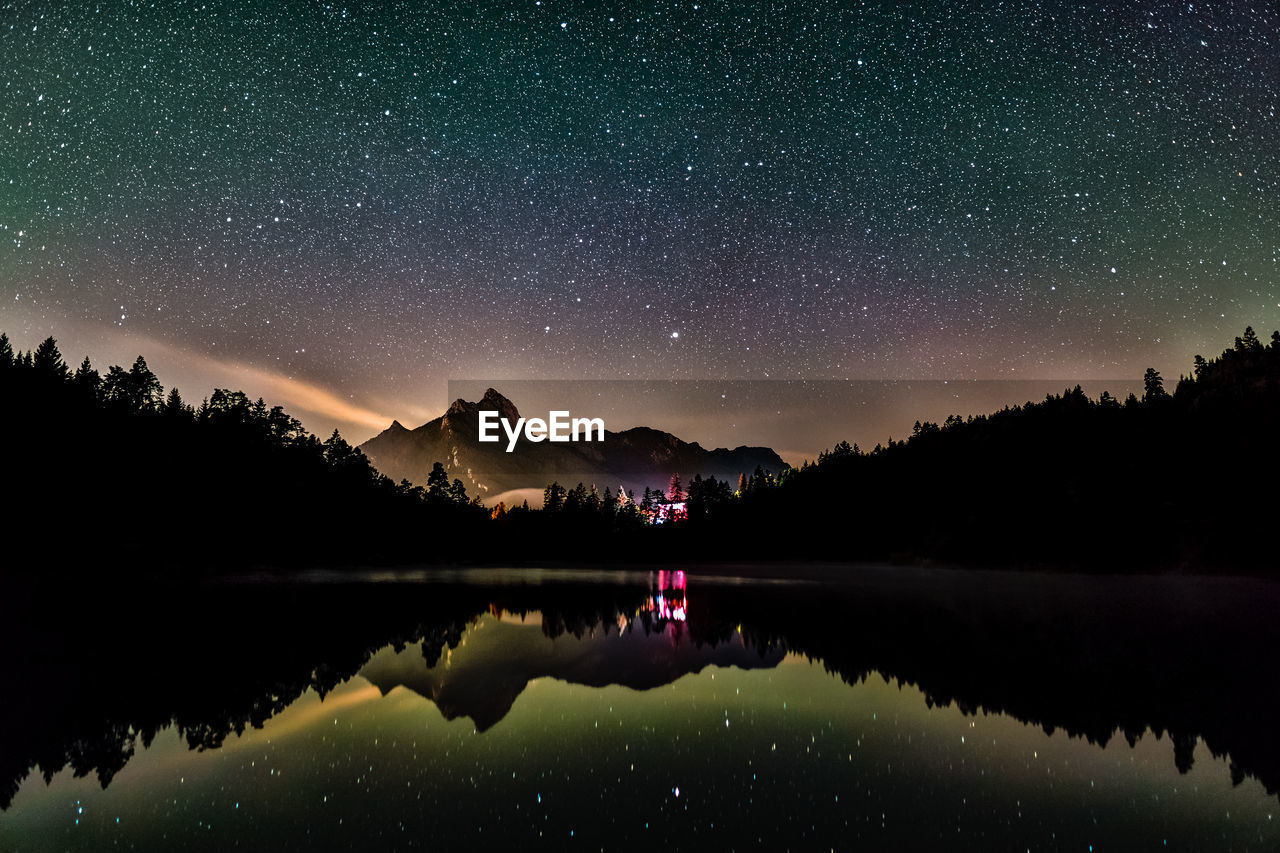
(94, 677)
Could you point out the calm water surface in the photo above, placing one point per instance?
(911, 711)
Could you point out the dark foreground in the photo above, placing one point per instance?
(850, 708)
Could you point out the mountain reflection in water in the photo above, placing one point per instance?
(1180, 661)
(482, 677)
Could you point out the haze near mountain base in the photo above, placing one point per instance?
(633, 458)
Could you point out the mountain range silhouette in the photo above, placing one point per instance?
(634, 458)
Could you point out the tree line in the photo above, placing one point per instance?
(231, 482)
(1161, 480)
(1171, 478)
(1166, 480)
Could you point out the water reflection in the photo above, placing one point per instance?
(503, 652)
(482, 678)
(670, 598)
(785, 695)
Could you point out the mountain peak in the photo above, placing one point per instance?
(491, 401)
(396, 426)
(491, 394)
(635, 457)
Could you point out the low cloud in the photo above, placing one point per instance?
(515, 497)
(296, 395)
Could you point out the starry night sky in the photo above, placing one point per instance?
(342, 207)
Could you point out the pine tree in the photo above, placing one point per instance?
(576, 500)
(458, 492)
(674, 492)
(49, 361)
(146, 392)
(553, 497)
(438, 483)
(336, 448)
(87, 379)
(115, 387)
(173, 404)
(1153, 386)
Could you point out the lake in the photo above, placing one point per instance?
(798, 708)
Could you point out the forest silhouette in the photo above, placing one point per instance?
(1172, 480)
(147, 480)
(141, 479)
